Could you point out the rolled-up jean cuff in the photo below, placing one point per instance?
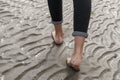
(78, 33)
(57, 22)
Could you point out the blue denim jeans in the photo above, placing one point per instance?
(82, 11)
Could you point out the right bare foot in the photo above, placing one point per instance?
(74, 62)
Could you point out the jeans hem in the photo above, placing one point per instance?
(79, 33)
(57, 22)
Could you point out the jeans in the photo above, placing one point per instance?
(82, 11)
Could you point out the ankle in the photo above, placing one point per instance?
(77, 55)
(59, 33)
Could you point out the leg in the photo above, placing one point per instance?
(55, 8)
(82, 10)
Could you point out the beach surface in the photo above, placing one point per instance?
(27, 51)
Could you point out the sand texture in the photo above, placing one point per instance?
(27, 51)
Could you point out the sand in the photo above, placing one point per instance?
(27, 51)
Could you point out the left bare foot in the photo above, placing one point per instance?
(58, 39)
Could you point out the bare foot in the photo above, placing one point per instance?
(74, 62)
(58, 39)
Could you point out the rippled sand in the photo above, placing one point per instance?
(27, 51)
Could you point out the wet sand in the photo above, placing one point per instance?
(27, 51)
